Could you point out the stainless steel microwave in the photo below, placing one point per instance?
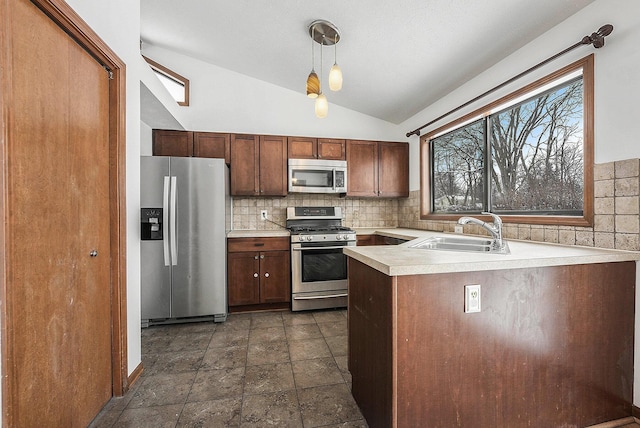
(317, 176)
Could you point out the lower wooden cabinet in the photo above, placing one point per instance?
(259, 273)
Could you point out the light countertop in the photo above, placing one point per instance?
(397, 260)
(257, 233)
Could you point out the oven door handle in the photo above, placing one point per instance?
(318, 248)
(328, 296)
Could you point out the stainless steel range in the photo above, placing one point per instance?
(318, 266)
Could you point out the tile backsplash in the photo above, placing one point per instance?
(616, 212)
(357, 212)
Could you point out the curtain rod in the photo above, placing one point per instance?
(597, 39)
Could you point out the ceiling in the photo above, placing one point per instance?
(397, 57)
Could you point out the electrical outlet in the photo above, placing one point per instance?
(458, 228)
(472, 298)
(263, 215)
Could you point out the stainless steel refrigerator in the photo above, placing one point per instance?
(185, 214)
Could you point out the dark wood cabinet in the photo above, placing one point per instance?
(172, 143)
(212, 145)
(259, 273)
(258, 165)
(362, 168)
(377, 169)
(316, 148)
(188, 143)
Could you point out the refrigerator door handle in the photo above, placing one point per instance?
(165, 220)
(172, 218)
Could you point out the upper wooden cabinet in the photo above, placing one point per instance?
(188, 143)
(212, 145)
(258, 165)
(172, 143)
(377, 169)
(316, 148)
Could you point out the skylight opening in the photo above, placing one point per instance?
(177, 85)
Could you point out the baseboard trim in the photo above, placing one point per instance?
(134, 376)
(615, 424)
(635, 412)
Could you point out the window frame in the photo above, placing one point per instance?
(586, 220)
(170, 74)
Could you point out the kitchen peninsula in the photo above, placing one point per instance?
(552, 345)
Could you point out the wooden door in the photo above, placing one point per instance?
(275, 276)
(211, 145)
(172, 143)
(244, 165)
(243, 278)
(58, 292)
(393, 170)
(273, 166)
(331, 149)
(362, 168)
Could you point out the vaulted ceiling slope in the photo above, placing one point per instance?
(397, 57)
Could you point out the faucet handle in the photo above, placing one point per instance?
(496, 219)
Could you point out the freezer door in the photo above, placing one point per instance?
(155, 286)
(199, 276)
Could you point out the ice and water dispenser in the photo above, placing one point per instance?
(151, 223)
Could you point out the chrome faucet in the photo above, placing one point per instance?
(495, 229)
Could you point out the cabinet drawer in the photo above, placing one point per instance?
(235, 245)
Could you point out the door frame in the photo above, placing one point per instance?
(67, 19)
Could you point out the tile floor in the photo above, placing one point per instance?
(255, 370)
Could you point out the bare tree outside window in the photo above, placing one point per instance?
(537, 154)
(535, 158)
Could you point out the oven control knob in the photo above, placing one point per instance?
(338, 237)
(345, 237)
(309, 238)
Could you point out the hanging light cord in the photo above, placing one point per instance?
(597, 39)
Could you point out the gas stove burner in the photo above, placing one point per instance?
(319, 229)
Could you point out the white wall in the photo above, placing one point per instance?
(225, 101)
(617, 87)
(117, 22)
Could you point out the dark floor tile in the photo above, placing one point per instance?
(316, 372)
(351, 424)
(235, 322)
(296, 318)
(150, 417)
(156, 344)
(266, 319)
(214, 384)
(302, 332)
(190, 342)
(325, 405)
(339, 345)
(163, 389)
(268, 353)
(269, 334)
(224, 358)
(268, 378)
(105, 419)
(273, 409)
(192, 327)
(224, 412)
(343, 365)
(177, 362)
(308, 349)
(330, 316)
(337, 328)
(226, 338)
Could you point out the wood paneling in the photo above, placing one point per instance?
(552, 347)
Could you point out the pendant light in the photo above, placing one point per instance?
(335, 75)
(313, 83)
(325, 34)
(322, 105)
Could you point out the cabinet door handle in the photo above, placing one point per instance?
(266, 274)
(255, 275)
(262, 256)
(255, 257)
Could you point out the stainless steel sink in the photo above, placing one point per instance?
(454, 243)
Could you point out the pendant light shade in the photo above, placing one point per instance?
(322, 106)
(313, 85)
(335, 78)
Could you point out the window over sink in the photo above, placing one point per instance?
(527, 156)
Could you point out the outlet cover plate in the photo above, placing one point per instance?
(472, 298)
